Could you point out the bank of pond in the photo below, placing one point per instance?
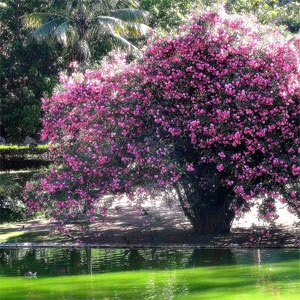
(149, 274)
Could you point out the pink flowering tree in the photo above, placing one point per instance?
(211, 113)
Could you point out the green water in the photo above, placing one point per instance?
(150, 274)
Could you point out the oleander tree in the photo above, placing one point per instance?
(209, 115)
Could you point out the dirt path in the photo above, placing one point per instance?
(161, 225)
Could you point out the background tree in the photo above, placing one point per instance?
(168, 14)
(78, 25)
(279, 12)
(212, 113)
(28, 72)
(12, 207)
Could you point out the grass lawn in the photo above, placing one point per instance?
(38, 232)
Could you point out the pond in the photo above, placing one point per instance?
(149, 274)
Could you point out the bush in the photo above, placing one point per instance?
(12, 207)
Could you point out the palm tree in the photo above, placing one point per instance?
(76, 24)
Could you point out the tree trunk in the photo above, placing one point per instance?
(209, 212)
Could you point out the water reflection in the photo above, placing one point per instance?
(56, 261)
(207, 257)
(149, 274)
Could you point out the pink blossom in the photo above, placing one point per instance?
(74, 65)
(293, 194)
(220, 167)
(190, 167)
(221, 155)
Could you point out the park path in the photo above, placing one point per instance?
(163, 226)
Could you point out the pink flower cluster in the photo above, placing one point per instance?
(225, 91)
(258, 235)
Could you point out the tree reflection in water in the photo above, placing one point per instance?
(149, 274)
(58, 261)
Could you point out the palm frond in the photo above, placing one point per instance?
(107, 24)
(130, 15)
(130, 29)
(35, 20)
(45, 31)
(123, 42)
(63, 33)
(136, 30)
(116, 28)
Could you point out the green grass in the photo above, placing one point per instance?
(27, 237)
(5, 237)
(23, 147)
(11, 233)
(279, 281)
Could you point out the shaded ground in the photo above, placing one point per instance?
(165, 226)
(157, 226)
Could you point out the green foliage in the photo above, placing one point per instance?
(28, 72)
(278, 12)
(168, 14)
(11, 200)
(78, 25)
